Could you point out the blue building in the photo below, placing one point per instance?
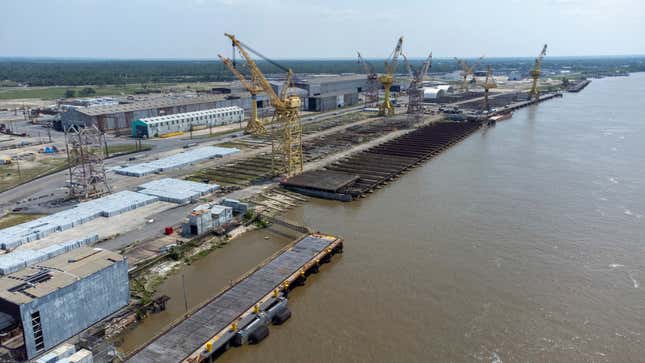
(56, 299)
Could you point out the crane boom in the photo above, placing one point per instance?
(534, 93)
(489, 83)
(286, 141)
(467, 70)
(371, 91)
(415, 90)
(387, 79)
(367, 66)
(254, 126)
(256, 72)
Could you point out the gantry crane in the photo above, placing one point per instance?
(371, 93)
(489, 83)
(415, 89)
(255, 126)
(467, 70)
(387, 79)
(286, 141)
(534, 93)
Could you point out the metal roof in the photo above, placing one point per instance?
(333, 78)
(185, 115)
(151, 104)
(61, 271)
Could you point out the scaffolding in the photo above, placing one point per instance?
(86, 149)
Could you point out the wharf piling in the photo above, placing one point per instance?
(241, 313)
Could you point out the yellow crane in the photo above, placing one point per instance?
(534, 93)
(387, 79)
(467, 70)
(489, 83)
(286, 141)
(255, 126)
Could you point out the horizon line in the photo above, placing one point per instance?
(151, 59)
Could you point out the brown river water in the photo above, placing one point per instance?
(523, 243)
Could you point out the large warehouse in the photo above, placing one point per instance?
(319, 93)
(121, 117)
(326, 93)
(160, 125)
(50, 302)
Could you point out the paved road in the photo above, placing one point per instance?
(52, 187)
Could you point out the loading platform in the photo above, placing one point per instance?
(241, 313)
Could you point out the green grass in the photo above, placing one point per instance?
(54, 92)
(9, 176)
(13, 219)
(50, 93)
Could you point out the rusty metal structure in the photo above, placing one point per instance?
(415, 89)
(85, 155)
(364, 172)
(371, 93)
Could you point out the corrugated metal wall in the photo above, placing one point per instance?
(69, 310)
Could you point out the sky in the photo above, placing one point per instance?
(314, 29)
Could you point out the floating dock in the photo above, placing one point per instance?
(579, 86)
(361, 173)
(241, 314)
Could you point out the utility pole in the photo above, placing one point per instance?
(18, 166)
(183, 286)
(105, 146)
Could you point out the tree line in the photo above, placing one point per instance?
(114, 72)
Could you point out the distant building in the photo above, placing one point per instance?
(121, 117)
(326, 93)
(318, 93)
(160, 125)
(514, 76)
(50, 302)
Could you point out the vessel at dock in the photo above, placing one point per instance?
(500, 117)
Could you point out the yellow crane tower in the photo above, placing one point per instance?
(387, 79)
(534, 93)
(286, 141)
(489, 84)
(255, 126)
(467, 70)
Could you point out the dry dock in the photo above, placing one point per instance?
(241, 314)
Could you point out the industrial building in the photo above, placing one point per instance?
(325, 93)
(48, 303)
(121, 117)
(205, 218)
(160, 125)
(319, 93)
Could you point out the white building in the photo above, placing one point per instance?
(431, 93)
(160, 125)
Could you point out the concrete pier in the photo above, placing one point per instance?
(233, 316)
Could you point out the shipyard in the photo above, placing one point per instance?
(386, 202)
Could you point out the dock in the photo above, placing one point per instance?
(359, 174)
(241, 313)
